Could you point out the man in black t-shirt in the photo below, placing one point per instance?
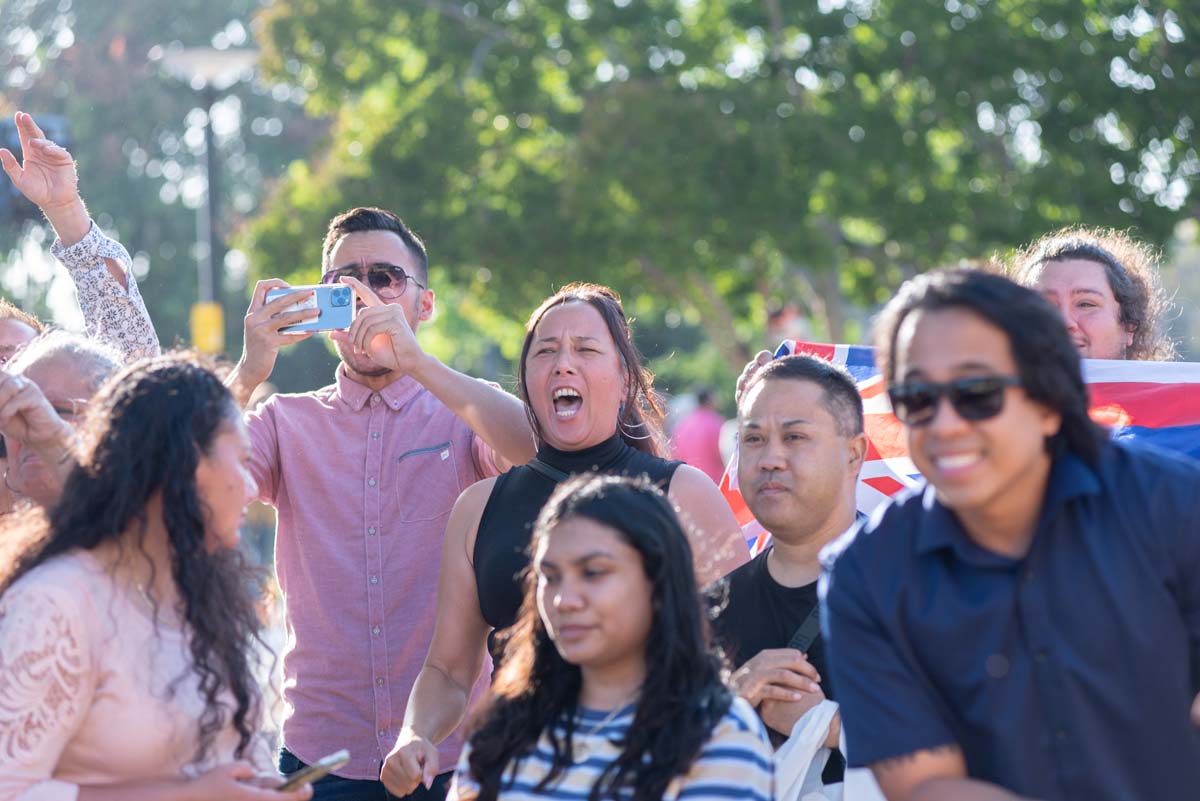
(800, 448)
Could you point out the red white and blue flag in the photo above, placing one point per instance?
(1155, 402)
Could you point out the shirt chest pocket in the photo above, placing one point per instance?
(426, 483)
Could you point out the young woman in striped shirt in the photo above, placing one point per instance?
(609, 689)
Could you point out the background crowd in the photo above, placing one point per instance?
(536, 593)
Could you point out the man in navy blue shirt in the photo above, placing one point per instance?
(1028, 625)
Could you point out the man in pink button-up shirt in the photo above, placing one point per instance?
(363, 474)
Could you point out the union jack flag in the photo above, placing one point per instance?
(1155, 402)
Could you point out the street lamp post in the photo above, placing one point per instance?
(211, 258)
(210, 72)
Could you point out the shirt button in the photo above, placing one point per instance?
(383, 733)
(371, 530)
(1029, 576)
(374, 579)
(370, 482)
(1040, 656)
(379, 681)
(375, 630)
(1061, 734)
(374, 435)
(374, 399)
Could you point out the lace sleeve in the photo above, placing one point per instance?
(46, 685)
(112, 313)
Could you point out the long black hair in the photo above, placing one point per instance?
(1047, 363)
(682, 698)
(145, 434)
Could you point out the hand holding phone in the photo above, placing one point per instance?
(319, 769)
(334, 302)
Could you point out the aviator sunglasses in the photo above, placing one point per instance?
(915, 403)
(388, 281)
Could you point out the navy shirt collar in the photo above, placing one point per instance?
(1070, 477)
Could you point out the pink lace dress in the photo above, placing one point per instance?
(92, 690)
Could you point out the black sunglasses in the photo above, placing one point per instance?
(388, 281)
(976, 398)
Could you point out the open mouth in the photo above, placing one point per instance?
(567, 403)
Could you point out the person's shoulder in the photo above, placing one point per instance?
(321, 395)
(466, 517)
(660, 468)
(63, 588)
(743, 576)
(731, 600)
(888, 533)
(477, 494)
(294, 405)
(688, 486)
(1147, 486)
(1123, 457)
(73, 571)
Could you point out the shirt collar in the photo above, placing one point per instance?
(1070, 477)
(356, 395)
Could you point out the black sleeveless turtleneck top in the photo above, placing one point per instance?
(506, 526)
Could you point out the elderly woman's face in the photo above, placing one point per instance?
(574, 377)
(1079, 289)
(68, 389)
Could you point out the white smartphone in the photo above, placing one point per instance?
(319, 769)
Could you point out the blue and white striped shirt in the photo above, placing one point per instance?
(735, 763)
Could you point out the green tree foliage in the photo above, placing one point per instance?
(137, 132)
(720, 158)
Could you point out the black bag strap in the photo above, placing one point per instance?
(552, 473)
(808, 631)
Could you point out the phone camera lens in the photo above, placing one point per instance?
(340, 296)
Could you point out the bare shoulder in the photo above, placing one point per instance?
(692, 484)
(463, 524)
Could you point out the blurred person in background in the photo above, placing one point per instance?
(696, 439)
